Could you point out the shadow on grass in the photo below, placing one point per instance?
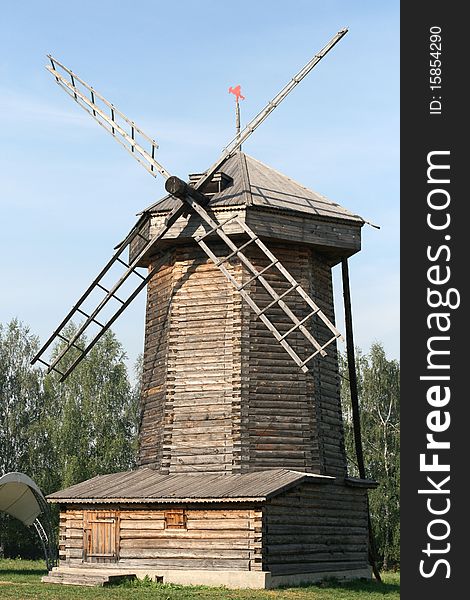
(22, 572)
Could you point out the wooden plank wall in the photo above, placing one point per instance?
(225, 538)
(71, 536)
(325, 374)
(316, 528)
(203, 365)
(191, 392)
(220, 393)
(294, 420)
(280, 416)
(154, 409)
(184, 228)
(335, 235)
(338, 236)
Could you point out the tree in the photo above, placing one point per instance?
(93, 414)
(379, 390)
(20, 395)
(62, 433)
(21, 413)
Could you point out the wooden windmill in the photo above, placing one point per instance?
(242, 478)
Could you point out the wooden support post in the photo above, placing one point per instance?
(355, 404)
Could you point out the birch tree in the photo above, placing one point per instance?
(62, 433)
(379, 390)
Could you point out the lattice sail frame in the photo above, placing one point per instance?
(133, 139)
(277, 299)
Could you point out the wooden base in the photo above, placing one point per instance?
(93, 576)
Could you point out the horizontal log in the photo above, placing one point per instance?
(217, 524)
(330, 540)
(198, 544)
(190, 534)
(300, 529)
(74, 542)
(153, 525)
(221, 514)
(142, 515)
(184, 553)
(315, 567)
(317, 516)
(193, 563)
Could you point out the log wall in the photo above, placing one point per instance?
(224, 538)
(337, 237)
(281, 409)
(154, 406)
(324, 374)
(220, 394)
(316, 528)
(191, 395)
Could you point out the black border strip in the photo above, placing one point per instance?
(424, 131)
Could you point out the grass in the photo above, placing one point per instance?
(21, 580)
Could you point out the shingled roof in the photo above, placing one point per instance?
(150, 486)
(256, 184)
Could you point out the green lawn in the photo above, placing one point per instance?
(21, 579)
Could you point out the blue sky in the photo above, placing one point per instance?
(69, 193)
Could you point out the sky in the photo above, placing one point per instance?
(69, 193)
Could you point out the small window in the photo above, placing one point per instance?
(175, 519)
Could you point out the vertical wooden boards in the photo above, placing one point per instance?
(101, 536)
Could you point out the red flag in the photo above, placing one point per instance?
(236, 91)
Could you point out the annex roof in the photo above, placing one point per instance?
(256, 184)
(147, 485)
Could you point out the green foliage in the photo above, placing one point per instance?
(379, 392)
(23, 442)
(96, 410)
(62, 433)
(20, 398)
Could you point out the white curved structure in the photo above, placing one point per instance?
(21, 498)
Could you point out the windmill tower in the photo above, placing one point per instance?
(242, 476)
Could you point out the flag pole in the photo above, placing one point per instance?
(237, 116)
(236, 91)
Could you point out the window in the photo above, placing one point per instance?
(175, 519)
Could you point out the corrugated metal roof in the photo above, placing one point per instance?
(148, 485)
(256, 184)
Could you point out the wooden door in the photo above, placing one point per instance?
(101, 536)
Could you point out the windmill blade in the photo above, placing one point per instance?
(124, 131)
(239, 139)
(278, 300)
(116, 123)
(129, 139)
(140, 241)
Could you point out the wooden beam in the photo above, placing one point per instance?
(355, 404)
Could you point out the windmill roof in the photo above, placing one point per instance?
(256, 184)
(147, 485)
